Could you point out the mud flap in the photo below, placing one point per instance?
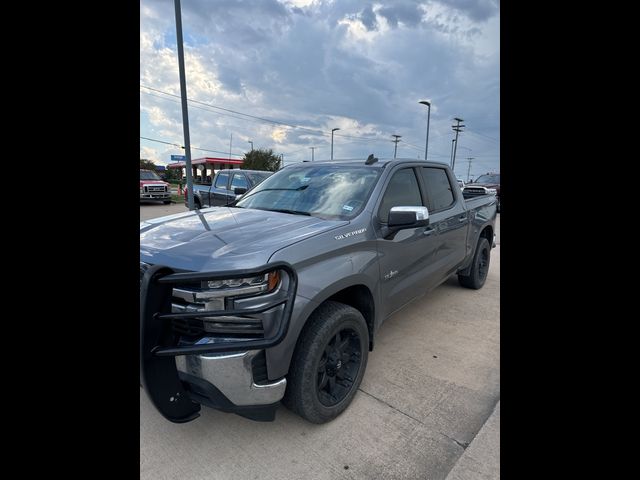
(159, 375)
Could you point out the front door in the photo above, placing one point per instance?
(406, 255)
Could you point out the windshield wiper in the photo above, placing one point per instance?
(302, 187)
(284, 210)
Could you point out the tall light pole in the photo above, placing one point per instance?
(426, 146)
(312, 150)
(332, 130)
(183, 97)
(249, 141)
(456, 128)
(397, 139)
(469, 168)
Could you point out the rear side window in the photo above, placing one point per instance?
(239, 181)
(439, 191)
(221, 181)
(402, 191)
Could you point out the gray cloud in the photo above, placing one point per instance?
(479, 10)
(306, 66)
(409, 13)
(368, 18)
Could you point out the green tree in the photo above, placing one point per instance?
(261, 159)
(147, 164)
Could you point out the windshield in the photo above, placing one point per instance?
(488, 179)
(327, 191)
(257, 177)
(148, 175)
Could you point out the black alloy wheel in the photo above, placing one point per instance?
(338, 367)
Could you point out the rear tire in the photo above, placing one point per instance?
(328, 364)
(479, 267)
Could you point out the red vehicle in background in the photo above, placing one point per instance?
(152, 187)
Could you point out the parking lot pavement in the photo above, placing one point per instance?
(432, 381)
(158, 209)
(481, 461)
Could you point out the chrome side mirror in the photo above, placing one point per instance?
(408, 217)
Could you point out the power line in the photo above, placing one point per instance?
(482, 135)
(192, 147)
(276, 122)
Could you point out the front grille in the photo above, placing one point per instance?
(259, 368)
(191, 327)
(222, 326)
(475, 191)
(155, 188)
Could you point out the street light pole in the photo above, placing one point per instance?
(397, 139)
(185, 112)
(312, 151)
(469, 168)
(332, 130)
(426, 146)
(249, 141)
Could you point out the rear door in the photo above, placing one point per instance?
(405, 257)
(449, 218)
(220, 189)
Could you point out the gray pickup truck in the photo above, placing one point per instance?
(225, 187)
(280, 295)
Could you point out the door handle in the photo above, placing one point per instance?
(462, 218)
(428, 231)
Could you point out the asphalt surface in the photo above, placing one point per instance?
(432, 382)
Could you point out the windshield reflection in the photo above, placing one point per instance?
(328, 192)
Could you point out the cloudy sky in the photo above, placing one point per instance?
(283, 73)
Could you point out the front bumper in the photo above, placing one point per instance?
(155, 196)
(180, 377)
(225, 382)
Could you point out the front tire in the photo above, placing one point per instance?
(479, 268)
(328, 364)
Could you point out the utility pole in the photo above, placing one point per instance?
(469, 168)
(312, 151)
(453, 142)
(457, 129)
(230, 143)
(395, 149)
(249, 141)
(183, 98)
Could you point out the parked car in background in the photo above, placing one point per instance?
(488, 183)
(152, 187)
(225, 187)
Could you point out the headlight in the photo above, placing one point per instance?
(259, 284)
(492, 191)
(141, 189)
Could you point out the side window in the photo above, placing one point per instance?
(221, 181)
(402, 191)
(439, 191)
(239, 181)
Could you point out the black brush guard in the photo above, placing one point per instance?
(159, 344)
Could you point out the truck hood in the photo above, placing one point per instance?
(152, 182)
(223, 238)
